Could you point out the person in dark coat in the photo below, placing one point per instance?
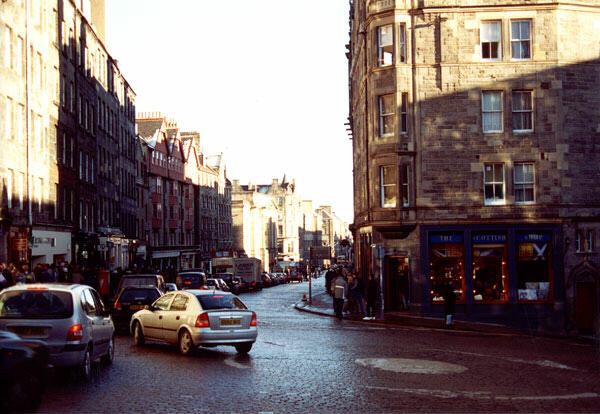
(449, 301)
(372, 297)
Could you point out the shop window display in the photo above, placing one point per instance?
(534, 267)
(446, 265)
(490, 282)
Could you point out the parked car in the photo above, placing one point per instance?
(227, 278)
(149, 279)
(192, 318)
(23, 371)
(70, 318)
(130, 300)
(212, 284)
(267, 281)
(223, 285)
(171, 287)
(240, 285)
(190, 280)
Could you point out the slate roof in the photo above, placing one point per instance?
(147, 127)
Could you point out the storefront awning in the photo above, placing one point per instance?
(160, 255)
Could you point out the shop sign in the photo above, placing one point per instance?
(489, 238)
(44, 240)
(19, 244)
(446, 238)
(533, 237)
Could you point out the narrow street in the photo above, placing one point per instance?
(308, 363)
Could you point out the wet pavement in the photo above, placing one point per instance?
(306, 362)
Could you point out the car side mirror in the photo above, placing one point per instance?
(149, 307)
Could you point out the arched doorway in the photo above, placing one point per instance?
(583, 291)
(397, 288)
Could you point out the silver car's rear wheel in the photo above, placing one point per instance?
(186, 345)
(85, 369)
(107, 358)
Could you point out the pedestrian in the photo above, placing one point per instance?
(76, 276)
(449, 301)
(7, 274)
(340, 291)
(329, 276)
(357, 295)
(372, 297)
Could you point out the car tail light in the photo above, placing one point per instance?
(253, 321)
(202, 321)
(117, 306)
(75, 333)
(37, 288)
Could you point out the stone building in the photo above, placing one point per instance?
(255, 215)
(63, 100)
(311, 233)
(190, 209)
(476, 151)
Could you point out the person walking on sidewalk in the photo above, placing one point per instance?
(340, 291)
(449, 301)
(372, 297)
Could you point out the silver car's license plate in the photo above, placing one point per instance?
(231, 322)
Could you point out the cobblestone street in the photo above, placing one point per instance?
(308, 363)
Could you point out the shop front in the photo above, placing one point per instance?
(49, 247)
(507, 275)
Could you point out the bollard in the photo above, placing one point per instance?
(304, 297)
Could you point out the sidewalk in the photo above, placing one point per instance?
(322, 304)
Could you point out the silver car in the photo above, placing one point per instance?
(70, 318)
(192, 318)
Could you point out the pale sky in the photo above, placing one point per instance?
(263, 81)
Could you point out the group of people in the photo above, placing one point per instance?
(10, 274)
(349, 294)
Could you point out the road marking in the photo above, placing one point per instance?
(235, 364)
(544, 363)
(483, 395)
(411, 366)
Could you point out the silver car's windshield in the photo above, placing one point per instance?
(220, 301)
(36, 304)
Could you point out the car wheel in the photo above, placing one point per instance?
(138, 335)
(107, 358)
(25, 390)
(243, 348)
(186, 345)
(85, 369)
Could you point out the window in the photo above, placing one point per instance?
(9, 185)
(520, 39)
(388, 186)
(585, 241)
(179, 303)
(404, 113)
(524, 183)
(493, 178)
(40, 193)
(534, 266)
(446, 266)
(402, 43)
(385, 45)
(9, 118)
(490, 34)
(522, 111)
(19, 55)
(8, 47)
(491, 109)
(21, 184)
(404, 185)
(386, 115)
(490, 270)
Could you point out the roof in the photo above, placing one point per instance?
(147, 127)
